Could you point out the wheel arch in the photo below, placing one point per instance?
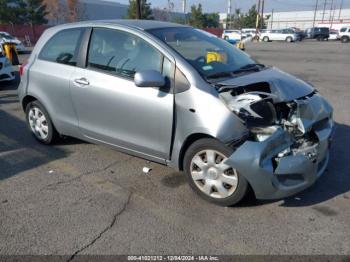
(187, 143)
(26, 100)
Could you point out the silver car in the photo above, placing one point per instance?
(177, 96)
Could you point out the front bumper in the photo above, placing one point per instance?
(295, 172)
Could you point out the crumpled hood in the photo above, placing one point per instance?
(283, 85)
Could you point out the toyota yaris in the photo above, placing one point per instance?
(180, 97)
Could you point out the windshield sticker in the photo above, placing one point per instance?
(207, 67)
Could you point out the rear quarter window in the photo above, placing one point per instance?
(63, 47)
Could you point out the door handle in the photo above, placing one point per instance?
(82, 81)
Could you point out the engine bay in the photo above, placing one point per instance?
(263, 114)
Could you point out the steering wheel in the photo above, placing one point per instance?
(200, 59)
(64, 58)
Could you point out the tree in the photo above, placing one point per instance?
(240, 20)
(196, 16)
(146, 11)
(55, 10)
(178, 20)
(23, 11)
(211, 20)
(72, 15)
(35, 12)
(12, 11)
(249, 20)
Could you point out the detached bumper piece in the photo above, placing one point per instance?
(283, 164)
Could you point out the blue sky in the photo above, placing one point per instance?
(221, 5)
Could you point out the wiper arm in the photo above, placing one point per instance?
(249, 67)
(219, 74)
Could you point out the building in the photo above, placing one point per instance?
(334, 19)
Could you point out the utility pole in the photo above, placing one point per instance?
(257, 17)
(271, 19)
(340, 8)
(262, 15)
(313, 24)
(138, 9)
(184, 6)
(229, 11)
(324, 9)
(330, 12)
(332, 21)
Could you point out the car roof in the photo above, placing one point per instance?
(136, 24)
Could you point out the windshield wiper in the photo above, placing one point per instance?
(219, 74)
(249, 67)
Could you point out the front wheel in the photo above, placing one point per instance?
(210, 177)
(266, 39)
(289, 39)
(39, 123)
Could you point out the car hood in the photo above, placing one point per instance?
(283, 86)
(7, 40)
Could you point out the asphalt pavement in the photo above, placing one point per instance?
(79, 198)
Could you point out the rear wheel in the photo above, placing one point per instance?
(39, 123)
(210, 177)
(266, 39)
(289, 39)
(345, 39)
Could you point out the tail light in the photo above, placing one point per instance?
(22, 67)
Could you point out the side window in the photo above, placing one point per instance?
(121, 53)
(181, 82)
(63, 47)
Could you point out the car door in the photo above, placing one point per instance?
(50, 77)
(111, 108)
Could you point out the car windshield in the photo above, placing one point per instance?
(209, 55)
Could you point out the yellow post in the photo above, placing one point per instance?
(10, 52)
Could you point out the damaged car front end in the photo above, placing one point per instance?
(289, 132)
(240, 123)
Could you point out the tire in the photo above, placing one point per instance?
(266, 39)
(289, 39)
(217, 191)
(40, 124)
(319, 38)
(345, 39)
(226, 37)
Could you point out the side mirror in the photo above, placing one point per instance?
(149, 78)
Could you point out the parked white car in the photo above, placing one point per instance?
(279, 35)
(7, 38)
(232, 34)
(333, 35)
(344, 34)
(248, 32)
(6, 69)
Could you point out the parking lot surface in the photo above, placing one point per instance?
(78, 198)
